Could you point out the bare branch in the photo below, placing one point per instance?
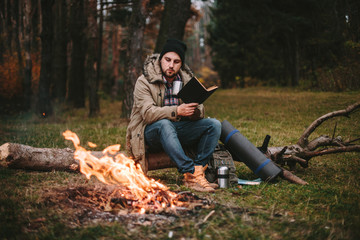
(300, 160)
(351, 141)
(323, 141)
(291, 177)
(278, 156)
(345, 112)
(352, 148)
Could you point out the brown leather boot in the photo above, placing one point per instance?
(213, 185)
(197, 180)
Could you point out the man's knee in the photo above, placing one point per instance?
(158, 132)
(214, 125)
(165, 127)
(165, 124)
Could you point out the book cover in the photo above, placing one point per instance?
(195, 92)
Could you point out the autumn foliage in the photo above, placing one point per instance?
(11, 76)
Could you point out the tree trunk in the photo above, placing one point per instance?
(60, 50)
(35, 25)
(292, 59)
(9, 25)
(2, 30)
(76, 92)
(100, 36)
(19, 156)
(92, 59)
(18, 34)
(115, 45)
(44, 106)
(134, 53)
(28, 62)
(174, 18)
(295, 75)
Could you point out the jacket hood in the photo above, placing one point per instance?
(152, 70)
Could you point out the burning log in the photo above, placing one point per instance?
(20, 156)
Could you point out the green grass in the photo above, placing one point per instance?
(327, 208)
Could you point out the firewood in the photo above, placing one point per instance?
(19, 156)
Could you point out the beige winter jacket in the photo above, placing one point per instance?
(148, 106)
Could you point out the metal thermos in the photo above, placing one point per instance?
(223, 177)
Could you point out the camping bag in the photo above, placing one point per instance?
(221, 157)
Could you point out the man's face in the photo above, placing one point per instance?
(170, 65)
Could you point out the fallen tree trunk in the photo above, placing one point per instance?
(19, 156)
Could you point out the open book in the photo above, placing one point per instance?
(195, 92)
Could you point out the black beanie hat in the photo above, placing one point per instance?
(174, 45)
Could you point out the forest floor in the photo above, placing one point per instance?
(33, 204)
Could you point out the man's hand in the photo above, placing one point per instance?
(186, 109)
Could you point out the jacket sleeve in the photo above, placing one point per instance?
(147, 106)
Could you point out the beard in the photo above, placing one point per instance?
(170, 74)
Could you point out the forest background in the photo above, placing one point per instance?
(72, 53)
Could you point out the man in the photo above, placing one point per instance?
(160, 121)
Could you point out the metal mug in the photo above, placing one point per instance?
(223, 177)
(177, 85)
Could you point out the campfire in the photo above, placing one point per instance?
(130, 187)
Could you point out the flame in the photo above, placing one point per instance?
(115, 168)
(92, 145)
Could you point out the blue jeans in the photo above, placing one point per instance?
(173, 137)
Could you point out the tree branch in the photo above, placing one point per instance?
(303, 140)
(300, 160)
(324, 141)
(352, 148)
(291, 177)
